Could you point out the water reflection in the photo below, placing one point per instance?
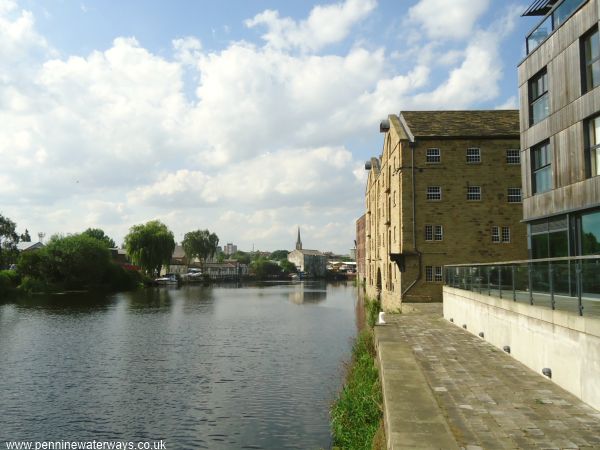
(308, 293)
(201, 367)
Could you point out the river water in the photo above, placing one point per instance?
(199, 367)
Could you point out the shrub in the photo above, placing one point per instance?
(116, 278)
(32, 285)
(373, 307)
(8, 282)
(356, 415)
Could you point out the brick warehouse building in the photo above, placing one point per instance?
(445, 190)
(360, 248)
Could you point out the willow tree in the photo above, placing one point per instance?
(201, 244)
(150, 246)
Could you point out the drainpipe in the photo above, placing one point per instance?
(412, 145)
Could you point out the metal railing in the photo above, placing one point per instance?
(570, 284)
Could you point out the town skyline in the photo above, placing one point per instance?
(249, 123)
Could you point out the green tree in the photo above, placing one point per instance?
(73, 262)
(263, 268)
(241, 257)
(8, 241)
(25, 236)
(279, 255)
(287, 266)
(201, 244)
(99, 234)
(150, 246)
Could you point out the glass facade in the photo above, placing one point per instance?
(550, 238)
(590, 233)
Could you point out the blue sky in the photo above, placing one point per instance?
(245, 117)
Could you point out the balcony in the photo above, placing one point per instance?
(554, 19)
(568, 284)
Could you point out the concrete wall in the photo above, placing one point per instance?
(538, 337)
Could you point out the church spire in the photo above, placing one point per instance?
(298, 242)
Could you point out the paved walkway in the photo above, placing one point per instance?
(446, 388)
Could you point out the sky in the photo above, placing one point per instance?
(249, 118)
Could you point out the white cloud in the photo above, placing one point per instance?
(325, 25)
(510, 103)
(187, 50)
(443, 19)
(111, 138)
(474, 81)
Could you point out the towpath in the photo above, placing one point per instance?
(449, 389)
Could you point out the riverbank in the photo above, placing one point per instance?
(357, 415)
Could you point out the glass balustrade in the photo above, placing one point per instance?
(570, 284)
(551, 22)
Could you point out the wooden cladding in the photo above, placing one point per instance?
(561, 56)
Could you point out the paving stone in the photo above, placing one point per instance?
(488, 399)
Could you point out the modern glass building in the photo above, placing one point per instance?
(560, 129)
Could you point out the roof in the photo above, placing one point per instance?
(539, 8)
(310, 252)
(22, 246)
(178, 252)
(467, 124)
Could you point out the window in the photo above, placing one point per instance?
(434, 155)
(590, 52)
(506, 234)
(593, 146)
(434, 193)
(439, 233)
(590, 233)
(495, 234)
(541, 157)
(474, 193)
(473, 155)
(433, 274)
(538, 97)
(429, 273)
(434, 233)
(513, 156)
(549, 238)
(429, 232)
(514, 195)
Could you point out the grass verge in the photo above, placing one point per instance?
(357, 414)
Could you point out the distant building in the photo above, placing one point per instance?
(559, 83)
(446, 190)
(24, 247)
(229, 269)
(312, 262)
(230, 249)
(179, 262)
(360, 248)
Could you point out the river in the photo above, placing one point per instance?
(218, 367)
